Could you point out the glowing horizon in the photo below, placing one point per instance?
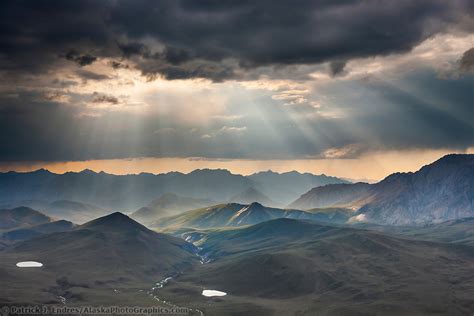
(372, 167)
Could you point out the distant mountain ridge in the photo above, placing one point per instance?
(24, 223)
(282, 187)
(234, 214)
(443, 190)
(25, 233)
(21, 217)
(166, 205)
(130, 192)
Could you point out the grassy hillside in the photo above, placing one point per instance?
(108, 253)
(234, 214)
(21, 217)
(288, 267)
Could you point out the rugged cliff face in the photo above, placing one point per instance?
(443, 190)
(438, 192)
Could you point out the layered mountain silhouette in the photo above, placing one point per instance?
(353, 250)
(166, 205)
(252, 195)
(21, 217)
(20, 234)
(282, 187)
(103, 254)
(131, 192)
(24, 223)
(443, 190)
(234, 214)
(76, 212)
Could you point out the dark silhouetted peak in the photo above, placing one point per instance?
(455, 159)
(41, 171)
(451, 160)
(212, 172)
(397, 176)
(115, 221)
(256, 205)
(87, 171)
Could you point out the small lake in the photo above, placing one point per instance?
(29, 264)
(211, 293)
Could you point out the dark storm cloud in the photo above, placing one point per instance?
(133, 48)
(466, 63)
(118, 65)
(222, 40)
(81, 60)
(336, 68)
(197, 38)
(89, 75)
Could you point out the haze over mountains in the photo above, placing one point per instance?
(166, 205)
(234, 214)
(251, 195)
(131, 192)
(21, 217)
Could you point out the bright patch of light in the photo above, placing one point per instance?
(211, 293)
(29, 264)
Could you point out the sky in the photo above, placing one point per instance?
(356, 89)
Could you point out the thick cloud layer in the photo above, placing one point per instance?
(284, 78)
(212, 39)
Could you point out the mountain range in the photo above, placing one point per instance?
(166, 205)
(234, 214)
(74, 211)
(21, 217)
(251, 195)
(355, 249)
(131, 192)
(277, 267)
(441, 191)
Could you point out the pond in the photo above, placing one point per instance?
(29, 264)
(211, 293)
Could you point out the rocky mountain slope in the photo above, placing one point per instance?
(443, 190)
